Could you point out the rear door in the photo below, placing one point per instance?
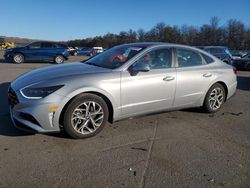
(48, 51)
(193, 77)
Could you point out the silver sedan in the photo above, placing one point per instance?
(124, 81)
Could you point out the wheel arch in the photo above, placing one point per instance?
(58, 54)
(217, 82)
(225, 88)
(18, 52)
(104, 97)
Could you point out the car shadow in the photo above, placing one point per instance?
(243, 83)
(6, 126)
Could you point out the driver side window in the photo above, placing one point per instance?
(157, 59)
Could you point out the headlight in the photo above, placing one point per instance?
(38, 93)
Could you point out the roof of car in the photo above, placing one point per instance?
(213, 46)
(151, 44)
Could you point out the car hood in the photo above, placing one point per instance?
(47, 74)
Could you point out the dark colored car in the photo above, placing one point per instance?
(85, 51)
(220, 52)
(242, 63)
(38, 51)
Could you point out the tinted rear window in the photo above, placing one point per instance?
(216, 50)
(58, 45)
(47, 45)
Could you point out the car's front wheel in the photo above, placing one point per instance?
(85, 116)
(59, 59)
(214, 99)
(18, 58)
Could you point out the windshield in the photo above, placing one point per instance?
(115, 57)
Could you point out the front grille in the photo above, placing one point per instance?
(12, 97)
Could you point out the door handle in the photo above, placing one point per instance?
(168, 78)
(207, 75)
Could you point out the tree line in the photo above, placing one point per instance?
(234, 34)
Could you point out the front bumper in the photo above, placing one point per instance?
(34, 115)
(8, 56)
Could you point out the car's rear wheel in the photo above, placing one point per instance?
(18, 58)
(225, 61)
(85, 116)
(215, 98)
(59, 59)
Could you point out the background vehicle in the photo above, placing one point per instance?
(242, 63)
(38, 51)
(152, 77)
(220, 52)
(89, 51)
(73, 51)
(97, 50)
(84, 51)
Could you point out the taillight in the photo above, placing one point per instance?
(235, 70)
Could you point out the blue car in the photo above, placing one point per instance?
(84, 51)
(38, 51)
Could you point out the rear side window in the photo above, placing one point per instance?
(207, 59)
(59, 45)
(47, 45)
(216, 50)
(188, 58)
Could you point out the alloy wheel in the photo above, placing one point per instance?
(216, 98)
(59, 59)
(87, 117)
(18, 58)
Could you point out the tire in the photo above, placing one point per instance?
(59, 59)
(225, 61)
(75, 53)
(214, 99)
(18, 58)
(77, 124)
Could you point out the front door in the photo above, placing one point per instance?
(151, 91)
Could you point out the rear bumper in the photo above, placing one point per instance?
(232, 90)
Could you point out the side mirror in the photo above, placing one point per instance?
(139, 67)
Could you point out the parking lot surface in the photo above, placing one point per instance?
(176, 149)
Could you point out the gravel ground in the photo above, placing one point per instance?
(176, 149)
